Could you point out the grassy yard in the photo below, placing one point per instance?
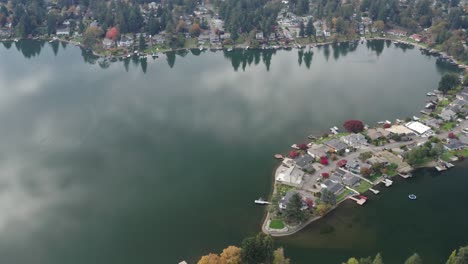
(191, 43)
(448, 125)
(449, 154)
(283, 189)
(276, 224)
(444, 103)
(343, 195)
(363, 187)
(375, 176)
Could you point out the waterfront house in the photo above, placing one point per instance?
(454, 144)
(399, 130)
(448, 114)
(336, 145)
(397, 33)
(354, 140)
(377, 133)
(107, 43)
(125, 41)
(259, 36)
(434, 123)
(417, 37)
(290, 176)
(318, 150)
(331, 186)
(63, 31)
(418, 127)
(283, 203)
(303, 160)
(350, 180)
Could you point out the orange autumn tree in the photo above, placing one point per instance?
(230, 255)
(113, 34)
(195, 30)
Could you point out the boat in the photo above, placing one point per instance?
(381, 122)
(261, 201)
(431, 94)
(412, 196)
(415, 118)
(395, 42)
(154, 55)
(15, 40)
(229, 49)
(129, 55)
(278, 156)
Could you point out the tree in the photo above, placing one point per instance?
(451, 135)
(113, 34)
(279, 258)
(293, 154)
(310, 29)
(302, 146)
(51, 23)
(231, 255)
(328, 197)
(452, 258)
(257, 249)
(324, 161)
(448, 82)
(379, 25)
(365, 172)
(195, 30)
(354, 126)
(352, 261)
(294, 211)
(323, 208)
(91, 36)
(142, 42)
(378, 259)
(414, 259)
(209, 259)
(301, 29)
(462, 256)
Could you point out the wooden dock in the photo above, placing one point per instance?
(405, 175)
(387, 182)
(374, 191)
(360, 201)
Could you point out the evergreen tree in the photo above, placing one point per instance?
(301, 29)
(257, 249)
(294, 210)
(142, 43)
(310, 29)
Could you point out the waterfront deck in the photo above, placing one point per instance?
(360, 201)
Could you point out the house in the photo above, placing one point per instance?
(290, 176)
(283, 203)
(463, 93)
(331, 186)
(418, 127)
(158, 38)
(397, 33)
(377, 133)
(259, 36)
(448, 114)
(63, 31)
(464, 139)
(399, 130)
(350, 180)
(454, 144)
(434, 123)
(336, 145)
(318, 150)
(125, 41)
(303, 160)
(375, 159)
(354, 140)
(417, 37)
(107, 43)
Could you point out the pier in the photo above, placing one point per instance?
(360, 201)
(405, 175)
(374, 191)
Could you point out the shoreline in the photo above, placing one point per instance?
(294, 45)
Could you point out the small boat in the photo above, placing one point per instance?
(261, 201)
(246, 48)
(415, 118)
(388, 122)
(431, 94)
(230, 49)
(412, 196)
(381, 122)
(15, 40)
(154, 55)
(335, 128)
(278, 156)
(395, 42)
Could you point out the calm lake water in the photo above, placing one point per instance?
(160, 161)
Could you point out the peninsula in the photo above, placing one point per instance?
(317, 176)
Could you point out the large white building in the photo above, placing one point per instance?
(419, 128)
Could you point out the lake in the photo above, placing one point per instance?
(158, 161)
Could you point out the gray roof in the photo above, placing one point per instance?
(454, 144)
(447, 114)
(333, 187)
(336, 144)
(303, 160)
(350, 179)
(464, 139)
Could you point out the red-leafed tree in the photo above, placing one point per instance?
(325, 175)
(293, 154)
(302, 146)
(387, 125)
(324, 161)
(354, 126)
(309, 202)
(451, 135)
(113, 34)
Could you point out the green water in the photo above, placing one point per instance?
(160, 161)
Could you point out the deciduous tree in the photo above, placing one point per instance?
(231, 255)
(414, 259)
(448, 82)
(354, 126)
(279, 258)
(209, 259)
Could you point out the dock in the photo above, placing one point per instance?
(360, 201)
(374, 191)
(387, 182)
(405, 175)
(278, 156)
(440, 168)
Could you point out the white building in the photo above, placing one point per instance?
(290, 176)
(419, 128)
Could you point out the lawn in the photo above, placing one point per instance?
(444, 102)
(448, 154)
(343, 195)
(282, 189)
(191, 43)
(276, 224)
(363, 187)
(448, 125)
